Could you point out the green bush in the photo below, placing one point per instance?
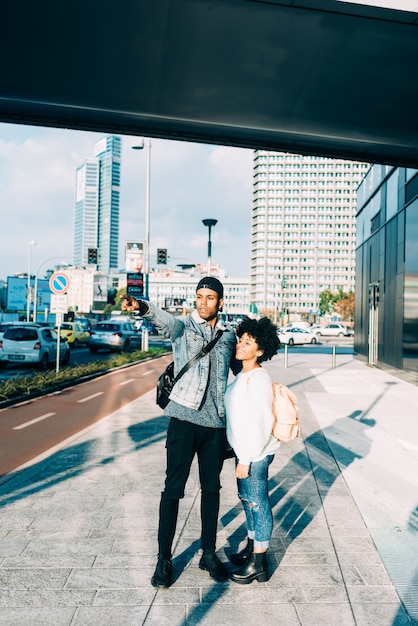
(45, 382)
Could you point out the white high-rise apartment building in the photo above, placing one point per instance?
(303, 230)
(168, 287)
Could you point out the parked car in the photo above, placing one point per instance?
(116, 335)
(74, 333)
(333, 329)
(4, 326)
(305, 325)
(32, 344)
(86, 322)
(297, 336)
(140, 324)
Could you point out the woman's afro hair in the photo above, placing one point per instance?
(265, 334)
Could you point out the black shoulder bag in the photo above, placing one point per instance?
(167, 380)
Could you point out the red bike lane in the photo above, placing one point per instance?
(30, 428)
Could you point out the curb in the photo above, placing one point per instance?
(4, 404)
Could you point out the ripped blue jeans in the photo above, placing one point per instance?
(253, 493)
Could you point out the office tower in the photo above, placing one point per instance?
(96, 223)
(387, 269)
(86, 210)
(302, 230)
(108, 152)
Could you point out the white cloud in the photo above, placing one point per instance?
(189, 182)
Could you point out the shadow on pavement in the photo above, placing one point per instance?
(292, 515)
(293, 508)
(77, 459)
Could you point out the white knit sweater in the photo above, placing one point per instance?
(249, 418)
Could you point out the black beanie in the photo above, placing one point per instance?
(209, 282)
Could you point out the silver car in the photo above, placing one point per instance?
(32, 344)
(115, 335)
(3, 327)
(331, 330)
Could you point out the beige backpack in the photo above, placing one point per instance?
(286, 425)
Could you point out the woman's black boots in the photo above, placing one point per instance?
(254, 569)
(242, 557)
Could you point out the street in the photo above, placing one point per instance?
(31, 428)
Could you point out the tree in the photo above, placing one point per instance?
(326, 301)
(118, 303)
(341, 303)
(345, 306)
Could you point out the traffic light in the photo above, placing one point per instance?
(162, 256)
(92, 256)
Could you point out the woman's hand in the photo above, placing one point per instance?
(242, 471)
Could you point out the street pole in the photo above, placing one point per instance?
(209, 223)
(276, 303)
(32, 242)
(146, 143)
(144, 336)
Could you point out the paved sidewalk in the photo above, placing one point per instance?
(78, 528)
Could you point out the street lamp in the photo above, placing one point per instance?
(31, 243)
(146, 143)
(209, 223)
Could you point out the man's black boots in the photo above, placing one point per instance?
(163, 575)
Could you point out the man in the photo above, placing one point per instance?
(197, 424)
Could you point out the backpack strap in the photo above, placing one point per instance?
(204, 351)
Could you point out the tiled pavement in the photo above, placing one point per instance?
(78, 528)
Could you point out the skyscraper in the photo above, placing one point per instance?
(86, 210)
(302, 230)
(96, 223)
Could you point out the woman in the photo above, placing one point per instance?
(248, 402)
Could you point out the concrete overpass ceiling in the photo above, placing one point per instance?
(307, 76)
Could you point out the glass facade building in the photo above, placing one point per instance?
(86, 210)
(302, 230)
(386, 323)
(108, 152)
(96, 223)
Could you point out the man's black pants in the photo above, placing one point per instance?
(184, 440)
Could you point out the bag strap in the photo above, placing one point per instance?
(205, 350)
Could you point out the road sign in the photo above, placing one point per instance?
(59, 283)
(59, 303)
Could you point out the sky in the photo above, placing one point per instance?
(400, 5)
(189, 182)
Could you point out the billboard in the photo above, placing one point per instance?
(16, 293)
(174, 303)
(134, 256)
(99, 292)
(135, 284)
(99, 288)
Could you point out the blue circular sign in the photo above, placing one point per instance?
(59, 283)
